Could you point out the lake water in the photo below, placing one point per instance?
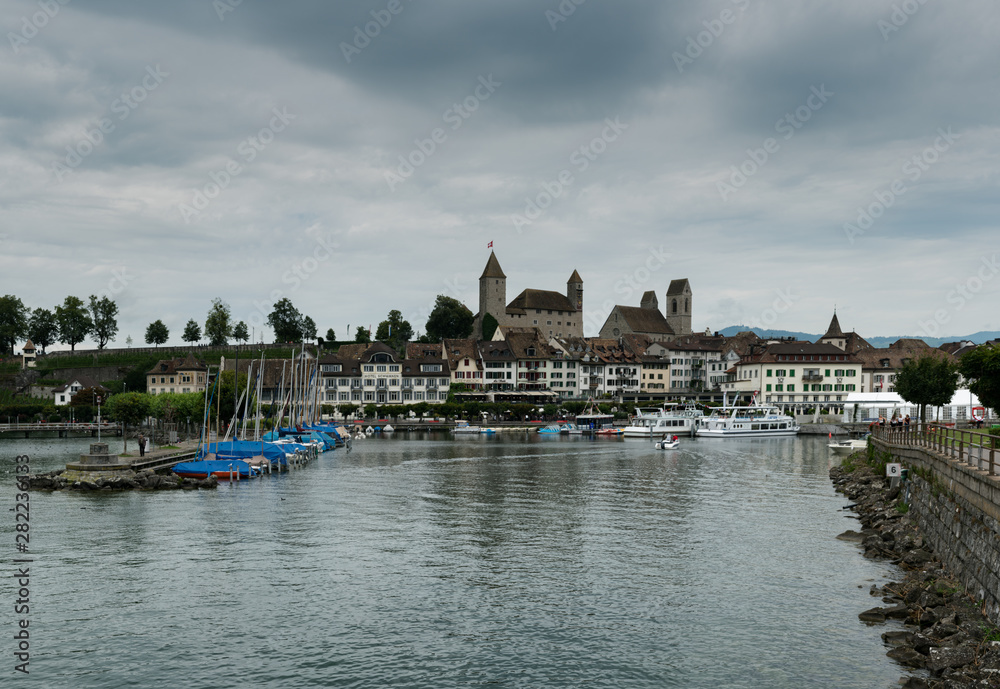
(519, 561)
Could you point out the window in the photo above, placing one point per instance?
(430, 368)
(368, 368)
(791, 388)
(380, 368)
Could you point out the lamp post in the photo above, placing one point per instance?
(97, 398)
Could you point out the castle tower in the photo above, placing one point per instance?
(492, 293)
(679, 306)
(574, 291)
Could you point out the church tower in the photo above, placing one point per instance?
(679, 306)
(574, 292)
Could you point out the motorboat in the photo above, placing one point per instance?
(670, 442)
(551, 429)
(846, 447)
(464, 427)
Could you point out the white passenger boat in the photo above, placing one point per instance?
(464, 427)
(670, 418)
(755, 421)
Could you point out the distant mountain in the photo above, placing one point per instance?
(880, 341)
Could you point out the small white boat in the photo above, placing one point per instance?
(464, 427)
(846, 447)
(388, 429)
(670, 443)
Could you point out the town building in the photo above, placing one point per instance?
(28, 355)
(64, 394)
(177, 375)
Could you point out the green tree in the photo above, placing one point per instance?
(348, 409)
(330, 335)
(218, 324)
(129, 409)
(43, 328)
(74, 321)
(13, 322)
(362, 335)
(192, 332)
(157, 333)
(394, 331)
(286, 321)
(981, 368)
(450, 319)
(104, 317)
(240, 333)
(490, 326)
(928, 380)
(308, 328)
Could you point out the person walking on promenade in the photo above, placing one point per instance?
(142, 445)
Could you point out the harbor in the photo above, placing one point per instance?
(430, 559)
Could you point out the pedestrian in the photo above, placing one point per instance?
(142, 445)
(906, 422)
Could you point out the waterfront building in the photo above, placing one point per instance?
(690, 358)
(797, 374)
(882, 365)
(379, 375)
(566, 366)
(553, 313)
(499, 365)
(464, 363)
(177, 375)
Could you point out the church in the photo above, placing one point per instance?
(647, 319)
(553, 313)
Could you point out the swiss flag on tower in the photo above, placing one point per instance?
(490, 245)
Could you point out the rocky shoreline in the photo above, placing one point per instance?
(945, 638)
(146, 479)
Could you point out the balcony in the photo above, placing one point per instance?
(812, 377)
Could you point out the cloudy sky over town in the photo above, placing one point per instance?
(787, 157)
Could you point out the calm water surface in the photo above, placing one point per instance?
(436, 562)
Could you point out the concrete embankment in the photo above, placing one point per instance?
(944, 633)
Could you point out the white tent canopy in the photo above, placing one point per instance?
(869, 406)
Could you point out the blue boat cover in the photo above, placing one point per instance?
(210, 466)
(242, 449)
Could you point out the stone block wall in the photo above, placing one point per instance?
(957, 508)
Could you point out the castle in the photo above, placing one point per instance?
(554, 314)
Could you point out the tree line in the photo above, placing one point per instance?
(74, 320)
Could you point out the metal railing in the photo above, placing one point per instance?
(974, 448)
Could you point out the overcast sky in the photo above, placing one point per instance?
(785, 156)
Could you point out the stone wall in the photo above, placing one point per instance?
(957, 507)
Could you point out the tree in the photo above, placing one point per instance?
(13, 322)
(157, 333)
(394, 331)
(928, 380)
(330, 335)
(43, 328)
(103, 316)
(129, 409)
(218, 324)
(74, 321)
(362, 335)
(490, 326)
(240, 333)
(192, 332)
(308, 328)
(450, 319)
(286, 321)
(981, 368)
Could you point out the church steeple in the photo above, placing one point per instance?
(574, 291)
